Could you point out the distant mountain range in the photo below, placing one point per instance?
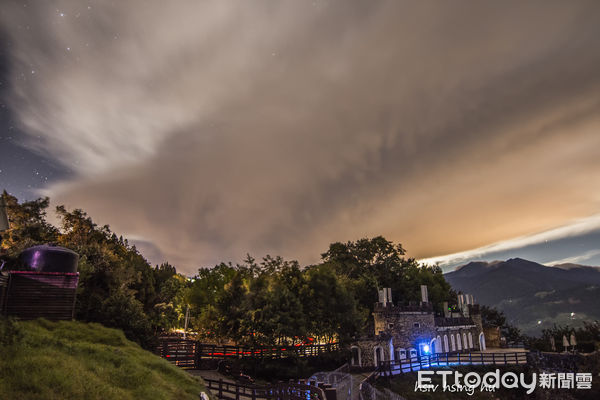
(529, 292)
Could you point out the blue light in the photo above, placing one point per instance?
(426, 349)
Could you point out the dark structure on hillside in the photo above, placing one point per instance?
(45, 288)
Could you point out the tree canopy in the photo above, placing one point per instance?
(117, 286)
(271, 301)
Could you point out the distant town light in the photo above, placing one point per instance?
(539, 322)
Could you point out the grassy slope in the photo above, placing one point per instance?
(74, 360)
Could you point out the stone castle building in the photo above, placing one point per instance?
(409, 331)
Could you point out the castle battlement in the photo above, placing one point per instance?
(402, 331)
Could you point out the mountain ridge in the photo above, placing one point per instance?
(532, 295)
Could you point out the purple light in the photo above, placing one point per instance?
(36, 259)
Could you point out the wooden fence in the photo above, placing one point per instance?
(224, 390)
(189, 353)
(394, 367)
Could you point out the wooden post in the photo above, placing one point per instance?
(220, 388)
(237, 392)
(504, 358)
(481, 358)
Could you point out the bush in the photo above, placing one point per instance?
(126, 313)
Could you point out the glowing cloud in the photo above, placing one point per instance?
(212, 129)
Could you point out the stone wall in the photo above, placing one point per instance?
(492, 336)
(475, 314)
(407, 328)
(367, 351)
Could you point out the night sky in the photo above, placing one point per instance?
(206, 130)
(23, 172)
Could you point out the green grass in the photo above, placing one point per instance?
(74, 360)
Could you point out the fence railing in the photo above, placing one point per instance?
(182, 353)
(189, 353)
(394, 367)
(341, 381)
(368, 391)
(513, 345)
(224, 390)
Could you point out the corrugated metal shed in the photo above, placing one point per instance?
(32, 294)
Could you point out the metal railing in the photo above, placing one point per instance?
(368, 391)
(224, 390)
(394, 367)
(341, 381)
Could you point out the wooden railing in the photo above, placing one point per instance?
(223, 352)
(182, 353)
(189, 353)
(224, 390)
(388, 368)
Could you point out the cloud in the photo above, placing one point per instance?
(575, 229)
(576, 259)
(212, 129)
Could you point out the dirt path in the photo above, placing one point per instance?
(210, 374)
